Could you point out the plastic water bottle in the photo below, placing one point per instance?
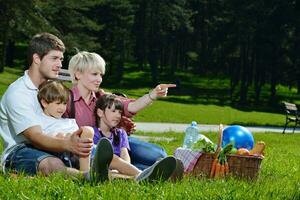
(191, 135)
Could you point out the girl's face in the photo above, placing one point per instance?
(110, 118)
(55, 109)
(89, 79)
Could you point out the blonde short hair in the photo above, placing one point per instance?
(83, 61)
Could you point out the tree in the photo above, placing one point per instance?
(20, 19)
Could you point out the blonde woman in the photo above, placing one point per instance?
(87, 70)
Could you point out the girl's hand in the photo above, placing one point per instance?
(160, 90)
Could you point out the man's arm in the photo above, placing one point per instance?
(72, 143)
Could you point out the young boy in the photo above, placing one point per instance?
(53, 97)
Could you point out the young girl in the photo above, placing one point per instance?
(108, 112)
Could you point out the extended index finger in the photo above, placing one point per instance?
(163, 86)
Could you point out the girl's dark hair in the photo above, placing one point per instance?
(107, 101)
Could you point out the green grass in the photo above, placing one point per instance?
(205, 101)
(200, 99)
(278, 179)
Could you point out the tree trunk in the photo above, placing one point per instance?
(4, 49)
(10, 51)
(141, 43)
(234, 77)
(273, 88)
(245, 71)
(298, 84)
(153, 62)
(120, 60)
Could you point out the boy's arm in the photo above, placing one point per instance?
(73, 143)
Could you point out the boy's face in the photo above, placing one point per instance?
(111, 117)
(89, 79)
(55, 109)
(50, 64)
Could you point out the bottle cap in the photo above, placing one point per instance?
(194, 123)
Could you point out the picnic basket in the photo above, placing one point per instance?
(239, 165)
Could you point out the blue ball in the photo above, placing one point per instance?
(239, 135)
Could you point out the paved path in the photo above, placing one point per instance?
(163, 127)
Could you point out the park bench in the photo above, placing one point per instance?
(292, 115)
(64, 75)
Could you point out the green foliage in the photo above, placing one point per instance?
(253, 43)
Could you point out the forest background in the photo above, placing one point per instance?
(252, 44)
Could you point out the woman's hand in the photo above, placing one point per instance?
(160, 90)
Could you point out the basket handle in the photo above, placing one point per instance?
(220, 136)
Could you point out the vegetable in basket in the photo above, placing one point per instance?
(205, 145)
(220, 167)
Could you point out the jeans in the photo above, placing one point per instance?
(25, 158)
(144, 154)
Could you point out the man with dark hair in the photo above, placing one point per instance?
(26, 148)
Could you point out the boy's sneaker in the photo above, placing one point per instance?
(101, 161)
(177, 174)
(159, 171)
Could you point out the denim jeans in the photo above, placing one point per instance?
(144, 154)
(26, 159)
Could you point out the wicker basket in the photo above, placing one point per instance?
(240, 166)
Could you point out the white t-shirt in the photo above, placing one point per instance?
(19, 110)
(52, 126)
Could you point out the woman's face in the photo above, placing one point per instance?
(89, 79)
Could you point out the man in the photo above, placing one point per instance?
(26, 147)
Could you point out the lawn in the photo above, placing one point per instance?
(198, 99)
(278, 179)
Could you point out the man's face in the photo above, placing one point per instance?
(51, 64)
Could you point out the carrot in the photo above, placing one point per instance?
(213, 168)
(226, 168)
(217, 171)
(222, 171)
